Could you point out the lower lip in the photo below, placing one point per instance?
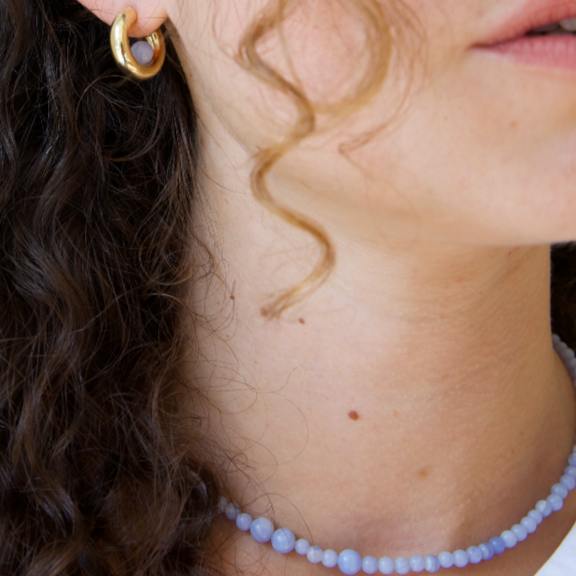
(553, 51)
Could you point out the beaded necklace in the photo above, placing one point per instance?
(350, 562)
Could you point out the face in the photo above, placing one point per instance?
(476, 146)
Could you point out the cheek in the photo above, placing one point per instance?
(324, 41)
(483, 158)
(327, 45)
(467, 160)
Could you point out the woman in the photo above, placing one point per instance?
(305, 267)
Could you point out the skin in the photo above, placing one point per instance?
(434, 327)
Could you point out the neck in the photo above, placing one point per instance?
(413, 404)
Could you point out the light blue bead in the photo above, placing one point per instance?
(330, 558)
(243, 522)
(302, 546)
(544, 508)
(498, 544)
(386, 565)
(432, 564)
(222, 505)
(555, 501)
(283, 541)
(402, 566)
(460, 559)
(572, 460)
(142, 52)
(487, 551)
(570, 471)
(232, 511)
(262, 530)
(474, 555)
(559, 490)
(417, 563)
(529, 524)
(446, 560)
(536, 516)
(315, 554)
(349, 562)
(520, 532)
(509, 538)
(369, 565)
(569, 482)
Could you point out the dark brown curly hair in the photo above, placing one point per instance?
(99, 472)
(98, 475)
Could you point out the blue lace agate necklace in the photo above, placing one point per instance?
(350, 562)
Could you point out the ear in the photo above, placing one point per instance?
(151, 13)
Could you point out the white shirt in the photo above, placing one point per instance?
(563, 561)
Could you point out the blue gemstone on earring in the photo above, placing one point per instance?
(498, 544)
(143, 52)
(262, 530)
(283, 541)
(349, 562)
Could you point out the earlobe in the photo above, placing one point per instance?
(151, 13)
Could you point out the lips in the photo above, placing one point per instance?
(531, 15)
(515, 38)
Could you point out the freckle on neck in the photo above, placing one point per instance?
(424, 472)
(353, 415)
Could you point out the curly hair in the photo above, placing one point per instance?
(100, 473)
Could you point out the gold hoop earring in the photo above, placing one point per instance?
(123, 54)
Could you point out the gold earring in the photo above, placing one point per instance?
(123, 54)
